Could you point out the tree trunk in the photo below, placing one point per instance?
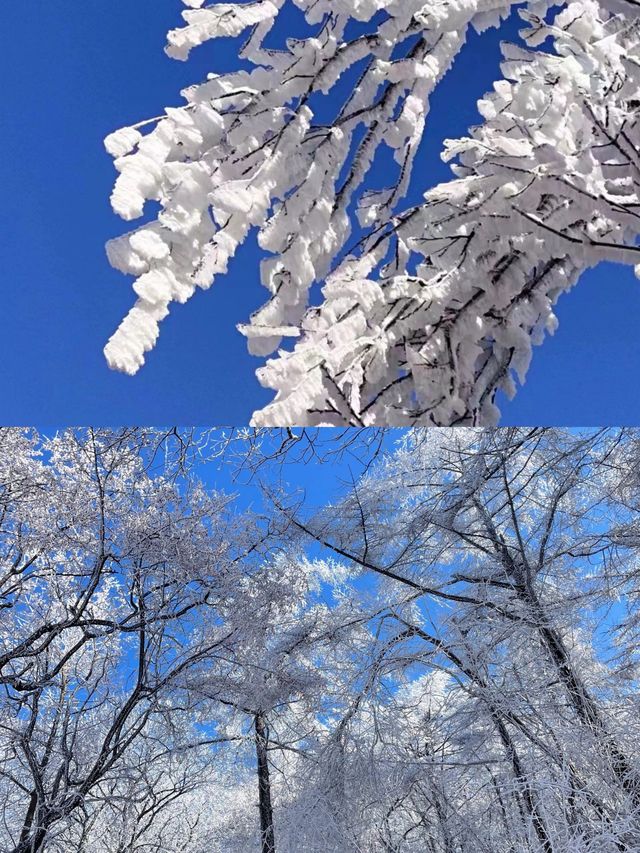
(268, 843)
(32, 841)
(582, 702)
(522, 779)
(497, 717)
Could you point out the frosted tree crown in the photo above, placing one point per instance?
(438, 305)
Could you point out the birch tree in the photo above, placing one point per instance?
(425, 312)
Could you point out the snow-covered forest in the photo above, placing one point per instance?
(391, 313)
(367, 641)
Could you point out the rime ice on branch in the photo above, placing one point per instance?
(437, 306)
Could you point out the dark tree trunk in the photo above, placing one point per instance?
(33, 843)
(32, 840)
(583, 704)
(264, 786)
(521, 778)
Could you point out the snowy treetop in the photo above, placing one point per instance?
(425, 311)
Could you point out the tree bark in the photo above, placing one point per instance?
(268, 843)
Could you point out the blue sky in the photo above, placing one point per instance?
(72, 76)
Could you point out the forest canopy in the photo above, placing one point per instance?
(333, 640)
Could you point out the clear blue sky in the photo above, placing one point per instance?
(72, 73)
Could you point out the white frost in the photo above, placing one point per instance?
(439, 305)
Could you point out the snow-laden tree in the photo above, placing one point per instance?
(442, 657)
(155, 660)
(507, 560)
(425, 312)
(117, 584)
